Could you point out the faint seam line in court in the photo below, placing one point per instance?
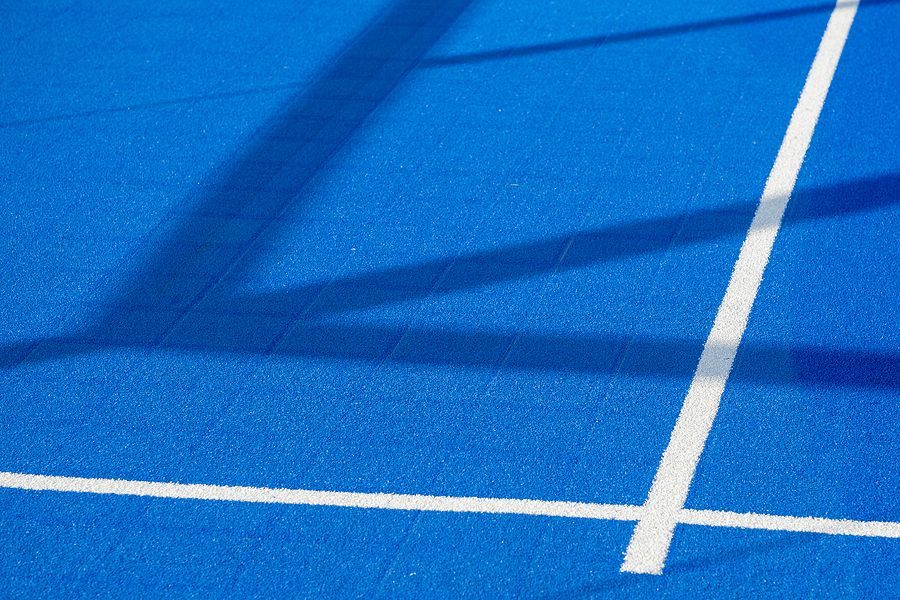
(653, 533)
(447, 504)
(225, 95)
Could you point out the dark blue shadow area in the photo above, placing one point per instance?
(588, 248)
(633, 36)
(241, 203)
(591, 354)
(291, 322)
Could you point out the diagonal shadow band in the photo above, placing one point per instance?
(512, 52)
(582, 249)
(257, 324)
(772, 364)
(236, 206)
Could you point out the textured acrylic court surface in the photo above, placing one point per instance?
(452, 247)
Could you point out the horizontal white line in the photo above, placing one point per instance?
(194, 491)
(723, 518)
(459, 504)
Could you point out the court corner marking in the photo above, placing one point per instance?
(649, 544)
(418, 502)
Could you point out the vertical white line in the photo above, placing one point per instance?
(652, 536)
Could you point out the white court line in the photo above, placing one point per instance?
(723, 518)
(193, 491)
(652, 536)
(452, 504)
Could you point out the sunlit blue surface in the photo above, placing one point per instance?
(460, 248)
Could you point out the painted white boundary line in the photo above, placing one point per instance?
(193, 491)
(456, 504)
(653, 534)
(724, 518)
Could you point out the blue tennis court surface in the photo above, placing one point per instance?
(449, 298)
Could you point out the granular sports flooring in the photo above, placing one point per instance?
(450, 298)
